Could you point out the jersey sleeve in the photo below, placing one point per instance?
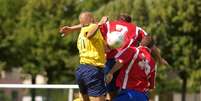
(126, 56)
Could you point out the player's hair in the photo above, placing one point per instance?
(88, 14)
(124, 17)
(148, 41)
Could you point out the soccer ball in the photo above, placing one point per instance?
(115, 39)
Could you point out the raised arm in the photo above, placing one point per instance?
(159, 58)
(95, 28)
(67, 29)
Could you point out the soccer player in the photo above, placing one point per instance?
(133, 36)
(137, 73)
(91, 46)
(121, 25)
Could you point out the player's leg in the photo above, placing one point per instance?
(80, 81)
(122, 96)
(98, 98)
(85, 97)
(96, 88)
(131, 95)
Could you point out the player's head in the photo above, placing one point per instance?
(86, 18)
(124, 17)
(147, 41)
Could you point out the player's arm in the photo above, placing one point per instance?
(159, 58)
(124, 58)
(155, 49)
(152, 80)
(115, 68)
(67, 29)
(96, 26)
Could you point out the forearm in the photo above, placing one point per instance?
(66, 29)
(159, 58)
(76, 27)
(157, 53)
(92, 31)
(116, 67)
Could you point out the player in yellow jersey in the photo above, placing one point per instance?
(91, 46)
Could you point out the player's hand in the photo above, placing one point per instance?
(65, 29)
(109, 77)
(103, 20)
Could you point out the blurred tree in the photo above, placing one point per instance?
(40, 47)
(177, 24)
(29, 35)
(181, 23)
(31, 39)
(8, 20)
(176, 27)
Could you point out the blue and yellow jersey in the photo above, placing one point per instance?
(91, 50)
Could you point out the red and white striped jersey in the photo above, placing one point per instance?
(138, 70)
(133, 34)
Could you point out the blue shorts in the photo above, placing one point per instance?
(131, 95)
(111, 87)
(90, 80)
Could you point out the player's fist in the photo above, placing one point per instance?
(103, 20)
(65, 29)
(109, 77)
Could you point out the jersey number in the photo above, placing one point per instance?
(82, 43)
(120, 29)
(144, 64)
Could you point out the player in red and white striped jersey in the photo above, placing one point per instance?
(133, 36)
(137, 73)
(123, 25)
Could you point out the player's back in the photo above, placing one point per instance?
(142, 69)
(126, 28)
(119, 26)
(91, 50)
(136, 76)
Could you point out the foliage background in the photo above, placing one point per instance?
(29, 37)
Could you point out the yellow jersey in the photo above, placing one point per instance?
(91, 50)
